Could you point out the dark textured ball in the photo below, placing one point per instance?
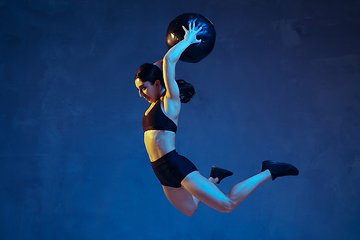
(195, 52)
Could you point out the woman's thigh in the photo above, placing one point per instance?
(207, 192)
(181, 199)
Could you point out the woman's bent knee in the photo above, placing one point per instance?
(227, 206)
(189, 212)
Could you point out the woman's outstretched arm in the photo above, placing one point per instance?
(172, 57)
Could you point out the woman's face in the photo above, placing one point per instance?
(150, 92)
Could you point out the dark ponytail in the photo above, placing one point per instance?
(149, 72)
(187, 90)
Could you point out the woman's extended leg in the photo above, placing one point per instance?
(207, 192)
(183, 200)
(196, 188)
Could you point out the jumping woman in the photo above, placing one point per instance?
(183, 185)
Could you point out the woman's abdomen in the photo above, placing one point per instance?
(158, 143)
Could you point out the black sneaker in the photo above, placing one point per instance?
(220, 173)
(279, 169)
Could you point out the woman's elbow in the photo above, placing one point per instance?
(169, 59)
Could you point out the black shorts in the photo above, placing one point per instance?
(172, 168)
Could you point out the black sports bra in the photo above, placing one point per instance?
(157, 120)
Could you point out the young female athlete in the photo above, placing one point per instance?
(183, 185)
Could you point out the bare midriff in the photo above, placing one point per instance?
(158, 143)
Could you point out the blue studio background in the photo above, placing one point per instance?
(282, 83)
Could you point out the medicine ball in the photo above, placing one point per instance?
(197, 51)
